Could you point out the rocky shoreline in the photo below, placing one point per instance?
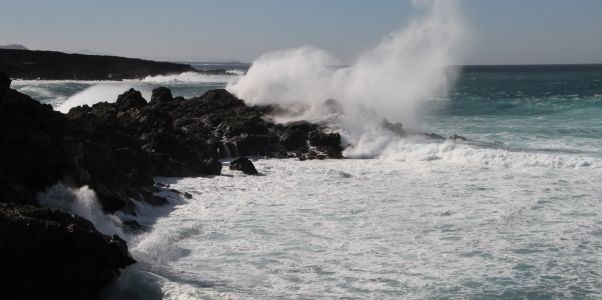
(116, 149)
(49, 254)
(53, 65)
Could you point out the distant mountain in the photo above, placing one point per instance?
(14, 47)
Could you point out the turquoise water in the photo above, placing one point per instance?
(550, 109)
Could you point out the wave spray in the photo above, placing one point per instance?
(390, 81)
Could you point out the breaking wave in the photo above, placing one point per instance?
(81, 202)
(185, 78)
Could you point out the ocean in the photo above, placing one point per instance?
(514, 212)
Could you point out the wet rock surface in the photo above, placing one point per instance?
(243, 164)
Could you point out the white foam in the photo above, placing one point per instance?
(103, 92)
(186, 78)
(407, 150)
(380, 228)
(107, 91)
(82, 202)
(37, 91)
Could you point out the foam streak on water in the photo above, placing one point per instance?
(66, 94)
(381, 228)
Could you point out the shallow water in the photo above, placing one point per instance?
(381, 229)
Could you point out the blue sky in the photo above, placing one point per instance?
(505, 32)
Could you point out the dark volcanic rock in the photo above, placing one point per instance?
(212, 166)
(397, 129)
(42, 147)
(161, 94)
(25, 64)
(433, 136)
(4, 80)
(130, 99)
(117, 148)
(309, 141)
(456, 137)
(32, 156)
(48, 254)
(328, 143)
(243, 164)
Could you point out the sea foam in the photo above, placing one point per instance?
(107, 91)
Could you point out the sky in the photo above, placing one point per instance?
(503, 32)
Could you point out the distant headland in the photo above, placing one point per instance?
(53, 65)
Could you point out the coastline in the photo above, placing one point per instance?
(54, 65)
(116, 149)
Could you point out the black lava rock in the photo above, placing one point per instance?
(4, 80)
(26, 64)
(48, 254)
(456, 137)
(243, 164)
(161, 94)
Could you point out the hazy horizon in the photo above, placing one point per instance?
(502, 33)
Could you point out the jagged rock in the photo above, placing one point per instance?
(294, 135)
(32, 156)
(130, 99)
(212, 166)
(48, 254)
(456, 137)
(161, 94)
(329, 144)
(132, 226)
(117, 147)
(147, 196)
(433, 136)
(221, 99)
(243, 164)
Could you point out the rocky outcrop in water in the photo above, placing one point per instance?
(243, 164)
(182, 136)
(48, 254)
(117, 148)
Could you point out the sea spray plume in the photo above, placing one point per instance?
(301, 76)
(407, 67)
(390, 81)
(82, 202)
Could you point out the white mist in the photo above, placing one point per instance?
(392, 80)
